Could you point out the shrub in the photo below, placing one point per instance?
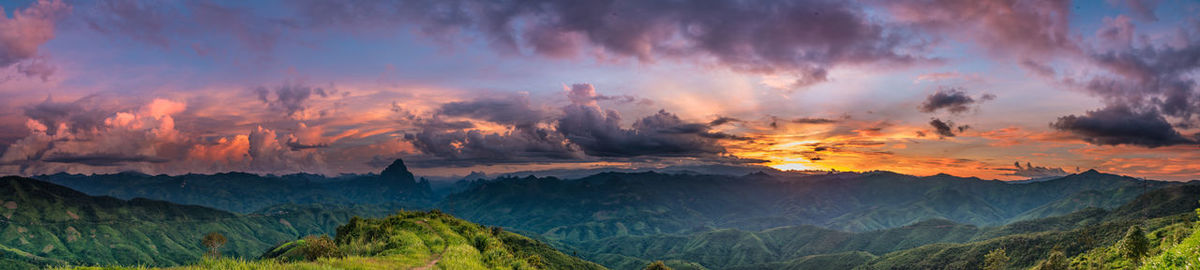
(1134, 245)
(657, 265)
(995, 260)
(319, 247)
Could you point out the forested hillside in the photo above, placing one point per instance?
(47, 224)
(245, 193)
(618, 204)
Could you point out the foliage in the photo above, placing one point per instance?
(657, 265)
(1056, 261)
(1134, 245)
(54, 225)
(995, 260)
(214, 241)
(315, 247)
(639, 204)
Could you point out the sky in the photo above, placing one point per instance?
(997, 89)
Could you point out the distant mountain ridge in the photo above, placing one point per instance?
(618, 204)
(245, 193)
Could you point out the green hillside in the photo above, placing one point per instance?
(635, 204)
(48, 224)
(931, 244)
(1078, 234)
(407, 240)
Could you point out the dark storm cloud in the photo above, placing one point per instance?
(103, 159)
(946, 128)
(953, 100)
(1033, 171)
(289, 98)
(457, 142)
(723, 120)
(599, 133)
(800, 38)
(515, 110)
(296, 145)
(814, 120)
(578, 132)
(191, 23)
(1024, 28)
(1118, 125)
(80, 115)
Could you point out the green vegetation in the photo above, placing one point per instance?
(640, 204)
(995, 260)
(407, 240)
(875, 220)
(237, 192)
(46, 224)
(214, 241)
(657, 265)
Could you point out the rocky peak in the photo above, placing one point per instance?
(398, 172)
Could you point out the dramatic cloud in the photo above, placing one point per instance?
(1031, 171)
(462, 142)
(1122, 125)
(290, 98)
(953, 100)
(191, 23)
(800, 38)
(946, 128)
(89, 135)
(598, 132)
(144, 135)
(516, 111)
(25, 31)
(577, 132)
(1024, 28)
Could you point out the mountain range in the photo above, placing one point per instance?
(689, 220)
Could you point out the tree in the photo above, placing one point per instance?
(657, 265)
(1056, 261)
(1135, 244)
(214, 241)
(319, 247)
(995, 260)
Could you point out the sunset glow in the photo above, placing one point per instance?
(175, 87)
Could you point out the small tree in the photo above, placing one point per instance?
(1135, 244)
(319, 247)
(995, 260)
(1056, 261)
(657, 265)
(214, 241)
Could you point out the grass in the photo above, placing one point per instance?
(404, 241)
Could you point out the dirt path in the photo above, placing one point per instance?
(436, 257)
(433, 262)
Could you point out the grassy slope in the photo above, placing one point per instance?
(1029, 242)
(929, 244)
(50, 221)
(410, 240)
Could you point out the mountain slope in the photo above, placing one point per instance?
(245, 193)
(1091, 229)
(923, 245)
(44, 220)
(620, 204)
